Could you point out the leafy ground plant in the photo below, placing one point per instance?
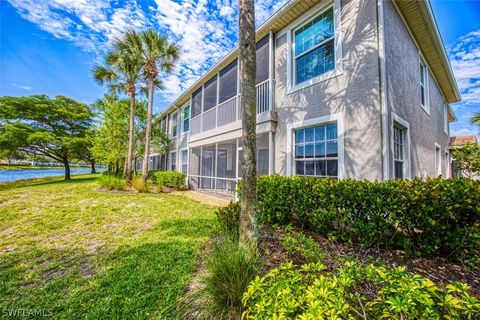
(82, 254)
(354, 291)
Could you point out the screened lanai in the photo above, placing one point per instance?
(215, 168)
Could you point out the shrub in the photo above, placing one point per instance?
(112, 182)
(435, 216)
(229, 270)
(168, 179)
(141, 186)
(229, 220)
(354, 292)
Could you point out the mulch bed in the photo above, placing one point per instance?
(440, 271)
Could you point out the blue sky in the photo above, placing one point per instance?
(50, 46)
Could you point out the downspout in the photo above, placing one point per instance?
(382, 89)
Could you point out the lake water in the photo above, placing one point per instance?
(14, 175)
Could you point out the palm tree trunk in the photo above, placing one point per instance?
(148, 134)
(131, 137)
(248, 214)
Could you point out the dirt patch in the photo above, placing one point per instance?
(53, 273)
(202, 198)
(440, 271)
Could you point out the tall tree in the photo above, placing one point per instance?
(248, 214)
(157, 55)
(122, 74)
(54, 128)
(113, 128)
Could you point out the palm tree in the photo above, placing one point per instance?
(157, 55)
(476, 118)
(247, 59)
(122, 72)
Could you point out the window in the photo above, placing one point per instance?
(173, 161)
(228, 82)
(184, 159)
(316, 151)
(197, 103)
(398, 151)
(438, 166)
(210, 94)
(314, 47)
(186, 119)
(174, 124)
(424, 86)
(262, 60)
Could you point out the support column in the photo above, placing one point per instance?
(271, 153)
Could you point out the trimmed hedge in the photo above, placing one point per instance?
(168, 179)
(435, 216)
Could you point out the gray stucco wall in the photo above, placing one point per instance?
(404, 99)
(355, 92)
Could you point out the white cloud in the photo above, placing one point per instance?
(24, 87)
(205, 29)
(465, 61)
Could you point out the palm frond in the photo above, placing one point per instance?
(476, 118)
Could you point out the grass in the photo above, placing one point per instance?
(77, 253)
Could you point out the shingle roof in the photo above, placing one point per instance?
(461, 140)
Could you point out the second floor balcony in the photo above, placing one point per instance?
(229, 111)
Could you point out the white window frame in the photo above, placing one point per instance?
(183, 118)
(171, 163)
(174, 115)
(291, 127)
(298, 23)
(407, 171)
(181, 160)
(423, 64)
(438, 160)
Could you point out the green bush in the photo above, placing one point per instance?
(218, 295)
(229, 220)
(168, 179)
(435, 216)
(112, 182)
(354, 292)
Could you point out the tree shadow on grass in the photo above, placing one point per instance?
(134, 280)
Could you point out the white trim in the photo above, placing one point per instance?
(271, 153)
(339, 118)
(383, 88)
(182, 110)
(407, 170)
(188, 160)
(304, 18)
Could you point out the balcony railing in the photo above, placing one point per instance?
(229, 110)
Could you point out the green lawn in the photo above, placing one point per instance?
(77, 253)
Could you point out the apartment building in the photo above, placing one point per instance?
(345, 89)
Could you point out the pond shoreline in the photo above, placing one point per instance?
(27, 174)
